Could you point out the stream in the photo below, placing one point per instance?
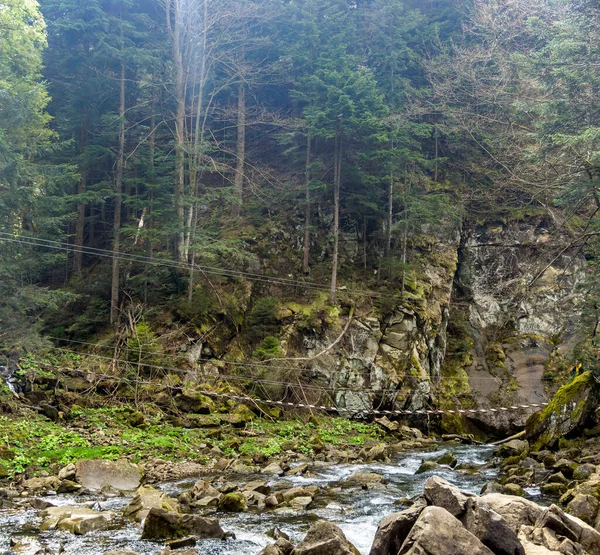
(357, 511)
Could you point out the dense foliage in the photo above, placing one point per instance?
(178, 139)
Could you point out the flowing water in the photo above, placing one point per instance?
(357, 511)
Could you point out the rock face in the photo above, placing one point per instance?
(98, 474)
(325, 538)
(569, 410)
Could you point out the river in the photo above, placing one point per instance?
(357, 511)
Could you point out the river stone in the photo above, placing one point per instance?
(427, 466)
(443, 494)
(583, 471)
(387, 424)
(146, 498)
(585, 507)
(271, 549)
(512, 448)
(448, 459)
(161, 524)
(325, 538)
(393, 530)
(437, 532)
(273, 469)
(366, 478)
(516, 511)
(121, 552)
(491, 529)
(81, 525)
(377, 453)
(37, 484)
(233, 502)
(97, 474)
(300, 503)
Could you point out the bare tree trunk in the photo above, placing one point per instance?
(114, 303)
(306, 260)
(179, 123)
(337, 167)
(81, 188)
(240, 150)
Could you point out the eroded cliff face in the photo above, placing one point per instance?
(516, 288)
(482, 312)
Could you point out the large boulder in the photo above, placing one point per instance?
(97, 474)
(442, 493)
(147, 498)
(568, 411)
(437, 532)
(554, 527)
(491, 529)
(325, 538)
(393, 530)
(161, 524)
(516, 511)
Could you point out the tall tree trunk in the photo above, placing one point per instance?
(81, 188)
(179, 125)
(307, 179)
(337, 170)
(240, 150)
(114, 303)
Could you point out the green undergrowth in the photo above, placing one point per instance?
(32, 443)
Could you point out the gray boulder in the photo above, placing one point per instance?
(491, 529)
(393, 530)
(325, 538)
(437, 532)
(443, 494)
(161, 524)
(516, 511)
(97, 474)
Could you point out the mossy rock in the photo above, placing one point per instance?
(202, 421)
(239, 417)
(193, 402)
(568, 411)
(233, 502)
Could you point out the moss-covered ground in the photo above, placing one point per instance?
(32, 443)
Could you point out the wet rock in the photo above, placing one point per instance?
(437, 532)
(513, 448)
(300, 503)
(361, 478)
(492, 487)
(97, 474)
(180, 543)
(427, 466)
(271, 501)
(393, 530)
(300, 469)
(491, 529)
(271, 549)
(298, 491)
(233, 503)
(161, 524)
(146, 498)
(516, 511)
(448, 459)
(261, 486)
(441, 493)
(325, 538)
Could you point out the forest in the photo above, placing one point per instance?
(317, 253)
